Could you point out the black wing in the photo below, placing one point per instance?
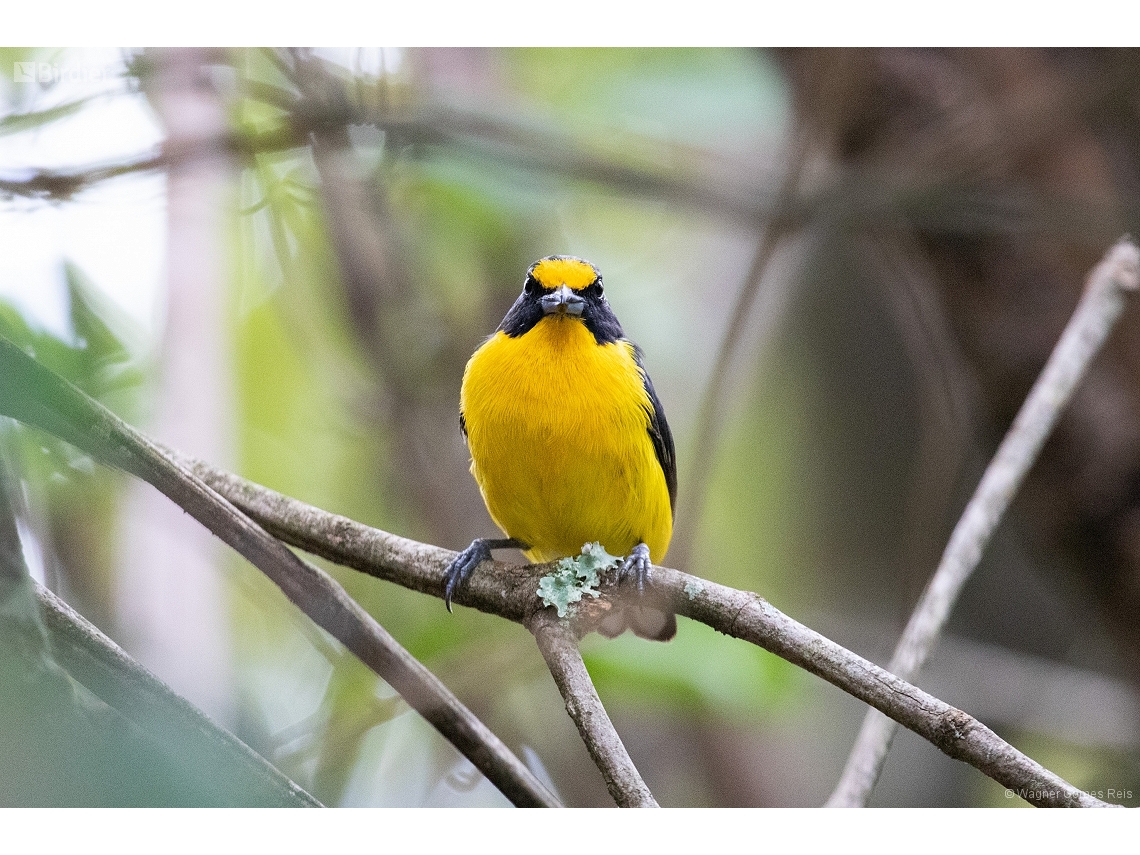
(659, 432)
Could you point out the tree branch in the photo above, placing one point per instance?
(509, 591)
(748, 617)
(559, 646)
(1109, 285)
(36, 396)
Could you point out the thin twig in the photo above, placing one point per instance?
(61, 185)
(36, 396)
(1109, 285)
(559, 646)
(509, 590)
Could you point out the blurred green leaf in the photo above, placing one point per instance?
(349, 712)
(110, 346)
(82, 725)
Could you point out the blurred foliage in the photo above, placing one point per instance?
(698, 674)
(64, 745)
(81, 724)
(103, 357)
(72, 502)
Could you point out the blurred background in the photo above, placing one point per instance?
(845, 268)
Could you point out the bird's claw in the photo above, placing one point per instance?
(461, 567)
(636, 564)
(470, 558)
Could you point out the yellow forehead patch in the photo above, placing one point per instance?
(556, 271)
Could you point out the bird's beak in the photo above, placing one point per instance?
(564, 301)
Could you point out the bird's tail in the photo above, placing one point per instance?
(652, 624)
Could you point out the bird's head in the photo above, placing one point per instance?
(563, 287)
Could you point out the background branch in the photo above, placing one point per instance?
(487, 132)
(957, 734)
(710, 411)
(1109, 286)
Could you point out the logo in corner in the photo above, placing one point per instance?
(24, 72)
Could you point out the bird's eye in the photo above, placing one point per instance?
(531, 286)
(598, 285)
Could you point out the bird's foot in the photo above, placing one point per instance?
(466, 561)
(646, 622)
(636, 565)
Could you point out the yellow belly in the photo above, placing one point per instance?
(558, 431)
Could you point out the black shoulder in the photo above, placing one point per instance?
(659, 431)
(600, 319)
(463, 424)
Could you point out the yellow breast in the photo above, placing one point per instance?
(557, 426)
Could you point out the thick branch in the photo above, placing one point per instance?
(509, 591)
(559, 646)
(34, 395)
(1109, 286)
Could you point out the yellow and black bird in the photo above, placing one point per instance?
(568, 441)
